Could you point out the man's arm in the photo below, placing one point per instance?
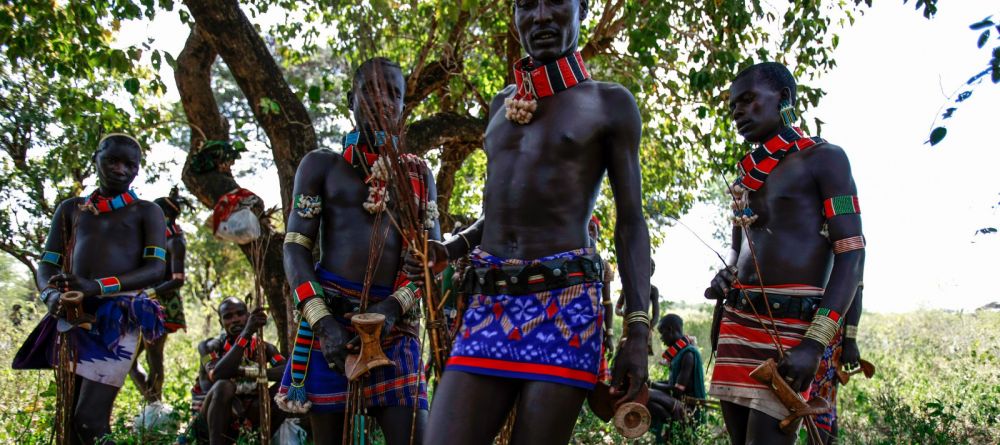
(277, 362)
(685, 377)
(52, 258)
(832, 172)
(207, 361)
(631, 235)
(177, 248)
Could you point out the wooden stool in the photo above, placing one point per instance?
(369, 327)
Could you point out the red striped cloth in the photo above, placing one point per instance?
(744, 345)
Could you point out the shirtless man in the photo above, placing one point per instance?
(167, 292)
(530, 337)
(227, 377)
(796, 200)
(108, 245)
(332, 192)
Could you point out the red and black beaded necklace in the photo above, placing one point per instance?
(761, 161)
(676, 348)
(535, 82)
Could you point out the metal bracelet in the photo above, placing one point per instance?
(850, 331)
(637, 317)
(406, 297)
(313, 310)
(300, 239)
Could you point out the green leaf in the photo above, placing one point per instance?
(983, 38)
(314, 94)
(132, 85)
(985, 23)
(937, 135)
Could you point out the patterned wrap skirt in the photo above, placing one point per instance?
(552, 336)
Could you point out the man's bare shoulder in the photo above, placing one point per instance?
(208, 345)
(826, 155)
(497, 103)
(613, 93)
(322, 157)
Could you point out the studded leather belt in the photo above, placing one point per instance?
(533, 278)
(782, 306)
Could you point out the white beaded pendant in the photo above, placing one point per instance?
(520, 110)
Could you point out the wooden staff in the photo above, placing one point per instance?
(260, 353)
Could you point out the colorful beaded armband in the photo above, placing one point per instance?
(308, 290)
(848, 244)
(158, 253)
(52, 258)
(841, 205)
(242, 342)
(109, 285)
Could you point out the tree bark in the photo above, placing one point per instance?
(194, 83)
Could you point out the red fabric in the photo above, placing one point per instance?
(227, 204)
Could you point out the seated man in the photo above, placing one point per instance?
(227, 393)
(677, 398)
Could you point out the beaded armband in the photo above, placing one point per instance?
(841, 205)
(307, 290)
(850, 332)
(52, 258)
(242, 341)
(824, 327)
(155, 252)
(308, 206)
(300, 239)
(848, 244)
(109, 285)
(276, 358)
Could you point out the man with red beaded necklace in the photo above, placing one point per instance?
(797, 259)
(530, 337)
(109, 246)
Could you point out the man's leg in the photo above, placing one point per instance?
(763, 429)
(469, 408)
(327, 428)
(92, 414)
(736, 418)
(546, 413)
(218, 410)
(154, 380)
(397, 425)
(139, 376)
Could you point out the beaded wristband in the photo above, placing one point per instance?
(307, 290)
(52, 258)
(313, 310)
(300, 239)
(109, 285)
(47, 293)
(637, 317)
(406, 296)
(155, 252)
(850, 332)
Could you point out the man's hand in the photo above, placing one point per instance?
(256, 320)
(850, 356)
(609, 342)
(332, 338)
(51, 298)
(437, 260)
(631, 366)
(798, 368)
(721, 284)
(68, 282)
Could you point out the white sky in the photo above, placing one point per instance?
(921, 205)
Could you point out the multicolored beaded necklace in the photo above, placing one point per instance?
(371, 168)
(675, 348)
(535, 82)
(757, 165)
(98, 204)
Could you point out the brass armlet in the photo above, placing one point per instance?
(300, 239)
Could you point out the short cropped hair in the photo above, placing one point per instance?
(774, 74)
(369, 64)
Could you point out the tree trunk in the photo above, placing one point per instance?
(194, 82)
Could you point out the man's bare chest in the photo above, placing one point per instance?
(561, 128)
